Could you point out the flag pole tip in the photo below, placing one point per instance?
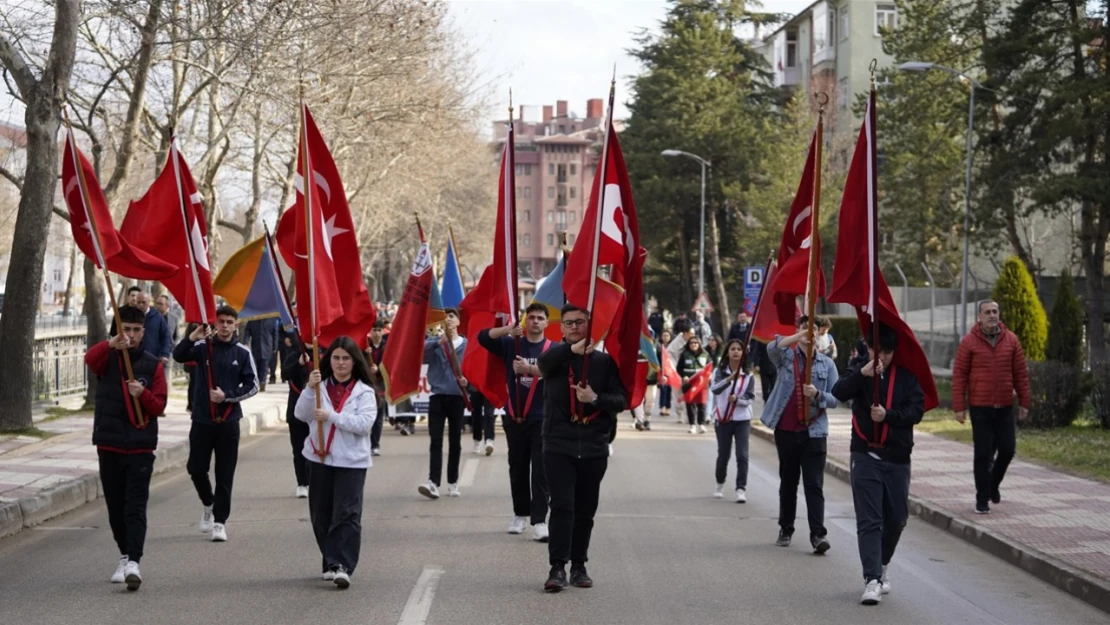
(822, 99)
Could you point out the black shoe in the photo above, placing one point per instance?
(639, 426)
(982, 508)
(404, 430)
(647, 425)
(578, 576)
(556, 579)
(820, 544)
(996, 497)
(784, 539)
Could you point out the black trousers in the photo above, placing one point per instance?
(767, 381)
(262, 367)
(376, 429)
(445, 409)
(880, 491)
(335, 507)
(994, 431)
(695, 413)
(575, 485)
(740, 432)
(801, 457)
(298, 432)
(125, 479)
(482, 418)
(527, 480)
(221, 440)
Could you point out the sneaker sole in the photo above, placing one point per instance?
(219, 540)
(516, 533)
(489, 451)
(342, 584)
(821, 549)
(982, 512)
(582, 584)
(554, 588)
(541, 540)
(133, 582)
(869, 601)
(427, 493)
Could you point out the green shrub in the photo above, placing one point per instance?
(1100, 395)
(1065, 332)
(846, 332)
(1058, 391)
(1021, 309)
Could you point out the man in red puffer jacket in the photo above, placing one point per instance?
(990, 368)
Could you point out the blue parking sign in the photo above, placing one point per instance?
(753, 283)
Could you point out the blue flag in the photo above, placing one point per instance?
(452, 290)
(250, 281)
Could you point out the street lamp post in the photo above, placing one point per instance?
(919, 66)
(701, 245)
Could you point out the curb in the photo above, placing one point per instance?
(30, 511)
(1075, 582)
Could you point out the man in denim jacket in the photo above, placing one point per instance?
(801, 442)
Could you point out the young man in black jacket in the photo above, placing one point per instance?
(882, 440)
(578, 417)
(294, 371)
(216, 412)
(125, 439)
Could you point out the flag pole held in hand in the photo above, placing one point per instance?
(814, 254)
(309, 181)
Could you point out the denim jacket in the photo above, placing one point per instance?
(824, 378)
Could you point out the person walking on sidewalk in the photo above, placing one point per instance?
(882, 440)
(375, 349)
(579, 415)
(733, 391)
(216, 412)
(691, 363)
(524, 416)
(125, 441)
(801, 440)
(990, 368)
(337, 474)
(294, 372)
(443, 355)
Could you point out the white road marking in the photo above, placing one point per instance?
(62, 529)
(469, 472)
(420, 599)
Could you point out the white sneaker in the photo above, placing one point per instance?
(719, 492)
(741, 495)
(219, 533)
(539, 532)
(489, 448)
(884, 583)
(872, 594)
(429, 490)
(302, 492)
(118, 576)
(329, 575)
(131, 575)
(610, 450)
(693, 429)
(377, 451)
(701, 429)
(453, 490)
(478, 448)
(518, 524)
(342, 579)
(206, 520)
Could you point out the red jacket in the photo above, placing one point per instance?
(986, 375)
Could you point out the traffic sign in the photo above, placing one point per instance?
(703, 304)
(753, 283)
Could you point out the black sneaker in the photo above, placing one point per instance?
(982, 508)
(996, 497)
(820, 544)
(556, 579)
(784, 539)
(647, 425)
(578, 576)
(404, 430)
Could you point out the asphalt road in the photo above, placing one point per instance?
(664, 552)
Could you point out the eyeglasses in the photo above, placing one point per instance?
(574, 323)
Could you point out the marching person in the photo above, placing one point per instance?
(801, 440)
(124, 443)
(642, 414)
(665, 389)
(989, 370)
(217, 409)
(683, 333)
(337, 474)
(690, 363)
(482, 420)
(442, 355)
(262, 337)
(739, 330)
(826, 344)
(579, 416)
(733, 392)
(156, 336)
(882, 440)
(524, 416)
(294, 372)
(375, 349)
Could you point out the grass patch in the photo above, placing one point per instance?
(54, 413)
(1081, 449)
(31, 431)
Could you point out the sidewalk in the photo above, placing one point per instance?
(1052, 525)
(43, 478)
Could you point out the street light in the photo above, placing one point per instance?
(922, 66)
(701, 246)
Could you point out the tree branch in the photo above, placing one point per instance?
(10, 57)
(15, 180)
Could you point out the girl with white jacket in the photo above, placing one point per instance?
(733, 392)
(337, 472)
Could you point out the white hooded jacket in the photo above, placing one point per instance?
(350, 447)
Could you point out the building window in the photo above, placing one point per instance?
(886, 16)
(562, 129)
(551, 239)
(551, 169)
(527, 193)
(528, 216)
(528, 241)
(528, 169)
(842, 93)
(845, 25)
(573, 216)
(573, 167)
(570, 239)
(792, 49)
(573, 192)
(551, 193)
(550, 216)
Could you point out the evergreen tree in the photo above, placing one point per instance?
(1065, 332)
(1020, 308)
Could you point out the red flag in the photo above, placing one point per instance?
(87, 206)
(169, 222)
(358, 312)
(793, 261)
(767, 323)
(404, 352)
(673, 379)
(610, 225)
(698, 384)
(857, 279)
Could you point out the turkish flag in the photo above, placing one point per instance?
(857, 279)
(404, 351)
(792, 277)
(357, 314)
(768, 323)
(695, 392)
(169, 222)
(673, 379)
(108, 249)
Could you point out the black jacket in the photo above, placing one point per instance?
(560, 434)
(232, 369)
(262, 336)
(907, 407)
(296, 375)
(738, 331)
(111, 425)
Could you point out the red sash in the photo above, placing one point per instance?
(743, 380)
(337, 407)
(578, 411)
(531, 393)
(884, 428)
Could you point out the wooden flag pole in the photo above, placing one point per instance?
(599, 210)
(873, 207)
(814, 253)
(307, 179)
(90, 216)
(509, 191)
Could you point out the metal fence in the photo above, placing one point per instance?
(59, 367)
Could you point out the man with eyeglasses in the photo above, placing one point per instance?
(582, 396)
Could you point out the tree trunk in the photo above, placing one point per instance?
(95, 328)
(715, 259)
(44, 99)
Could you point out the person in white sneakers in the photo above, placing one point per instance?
(126, 436)
(690, 363)
(444, 355)
(337, 472)
(733, 392)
